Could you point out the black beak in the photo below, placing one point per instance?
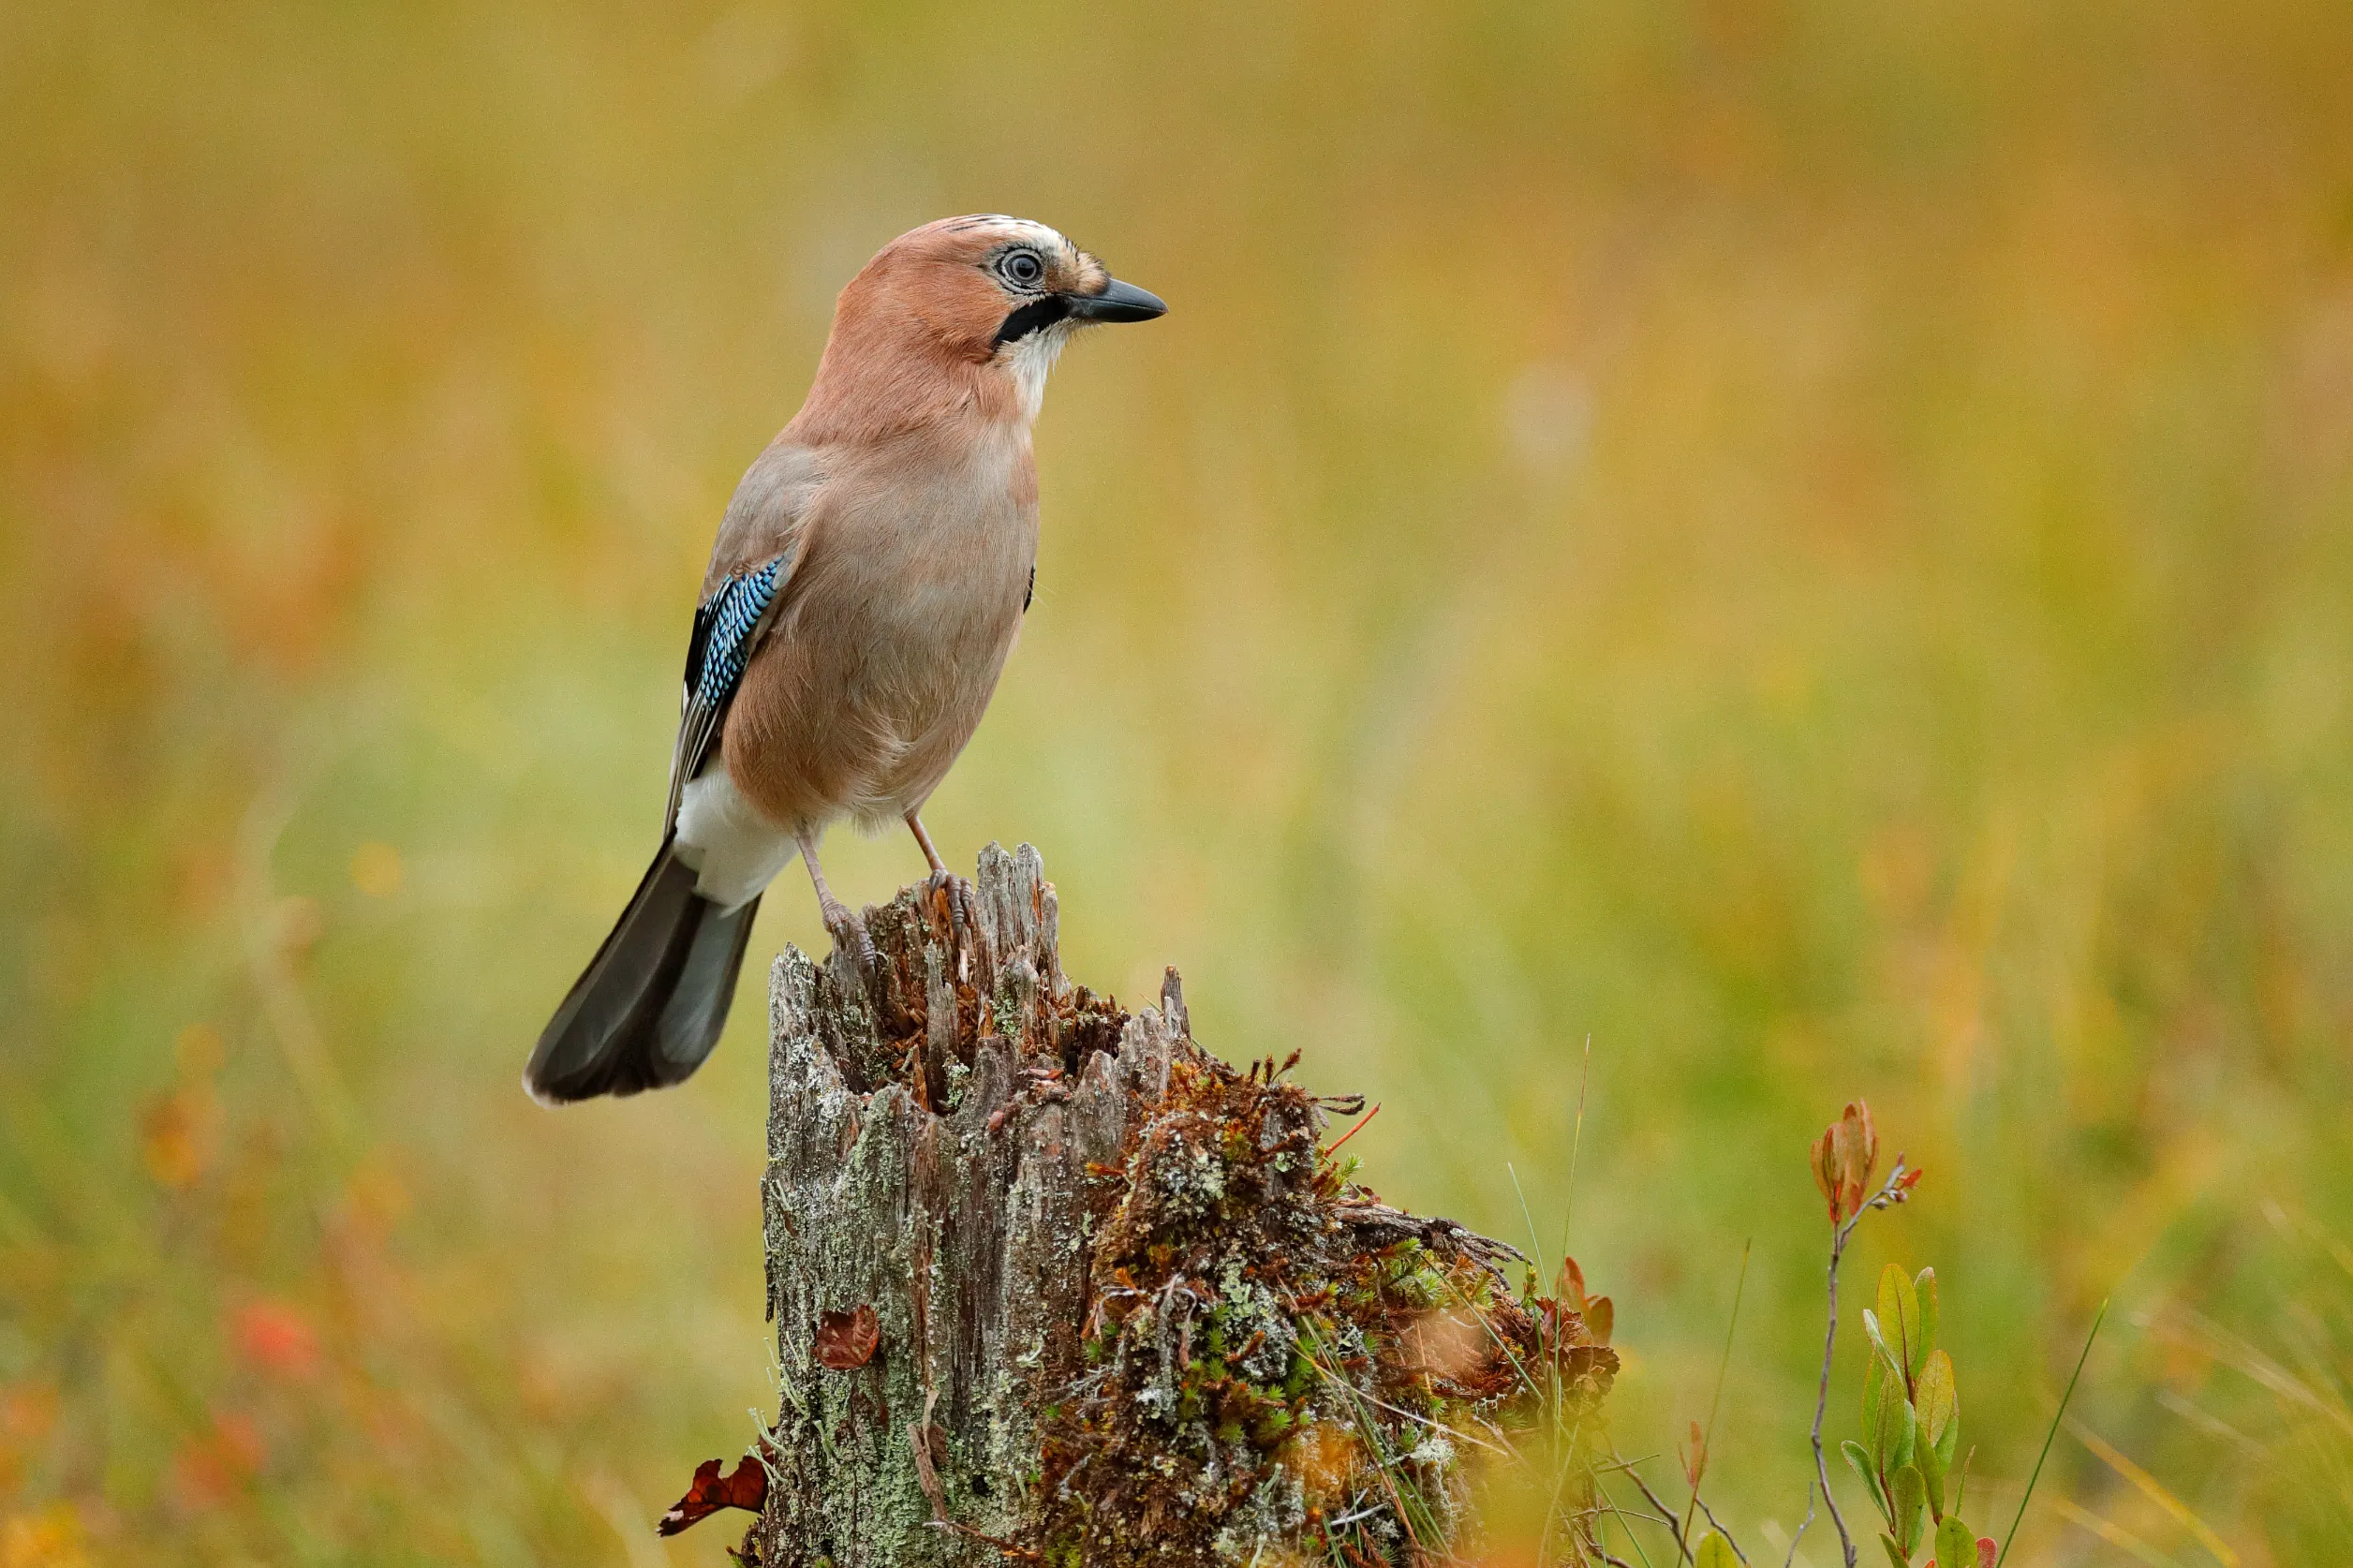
(1118, 302)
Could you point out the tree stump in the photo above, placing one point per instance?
(1052, 1284)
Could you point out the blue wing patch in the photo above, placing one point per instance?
(727, 628)
(723, 629)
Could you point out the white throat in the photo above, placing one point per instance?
(1032, 361)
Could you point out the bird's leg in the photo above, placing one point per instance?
(847, 930)
(915, 825)
(963, 912)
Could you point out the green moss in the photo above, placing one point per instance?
(1255, 1360)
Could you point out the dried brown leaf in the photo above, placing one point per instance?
(1823, 1157)
(748, 1487)
(846, 1341)
(1600, 1318)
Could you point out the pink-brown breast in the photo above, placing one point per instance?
(914, 561)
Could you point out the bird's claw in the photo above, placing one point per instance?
(849, 935)
(964, 903)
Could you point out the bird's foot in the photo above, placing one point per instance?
(850, 936)
(964, 903)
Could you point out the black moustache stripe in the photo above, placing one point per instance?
(1028, 319)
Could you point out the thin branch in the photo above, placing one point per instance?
(1632, 1539)
(1803, 1525)
(1717, 1525)
(1888, 1195)
(1822, 1401)
(1683, 1548)
(1679, 1530)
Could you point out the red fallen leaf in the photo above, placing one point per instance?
(746, 1488)
(846, 1341)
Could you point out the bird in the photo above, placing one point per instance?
(871, 573)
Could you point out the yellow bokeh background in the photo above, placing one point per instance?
(1808, 544)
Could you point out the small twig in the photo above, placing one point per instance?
(1822, 1401)
(1888, 1195)
(1008, 1548)
(1632, 1539)
(1717, 1525)
(1680, 1531)
(1353, 1131)
(1433, 1424)
(926, 1476)
(1682, 1550)
(1802, 1524)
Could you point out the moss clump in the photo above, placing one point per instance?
(1277, 1361)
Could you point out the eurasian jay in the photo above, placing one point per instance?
(870, 576)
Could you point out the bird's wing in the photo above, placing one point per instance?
(728, 628)
(752, 570)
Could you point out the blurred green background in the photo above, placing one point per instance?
(1807, 543)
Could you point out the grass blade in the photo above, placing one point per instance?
(2056, 1416)
(1576, 1142)
(1707, 1434)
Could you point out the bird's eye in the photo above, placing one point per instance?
(1022, 268)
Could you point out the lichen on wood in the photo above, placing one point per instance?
(1114, 1302)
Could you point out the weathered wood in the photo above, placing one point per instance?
(988, 1156)
(920, 1162)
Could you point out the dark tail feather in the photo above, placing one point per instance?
(652, 1000)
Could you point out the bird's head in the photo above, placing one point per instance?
(987, 294)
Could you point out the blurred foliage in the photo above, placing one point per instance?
(1806, 542)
